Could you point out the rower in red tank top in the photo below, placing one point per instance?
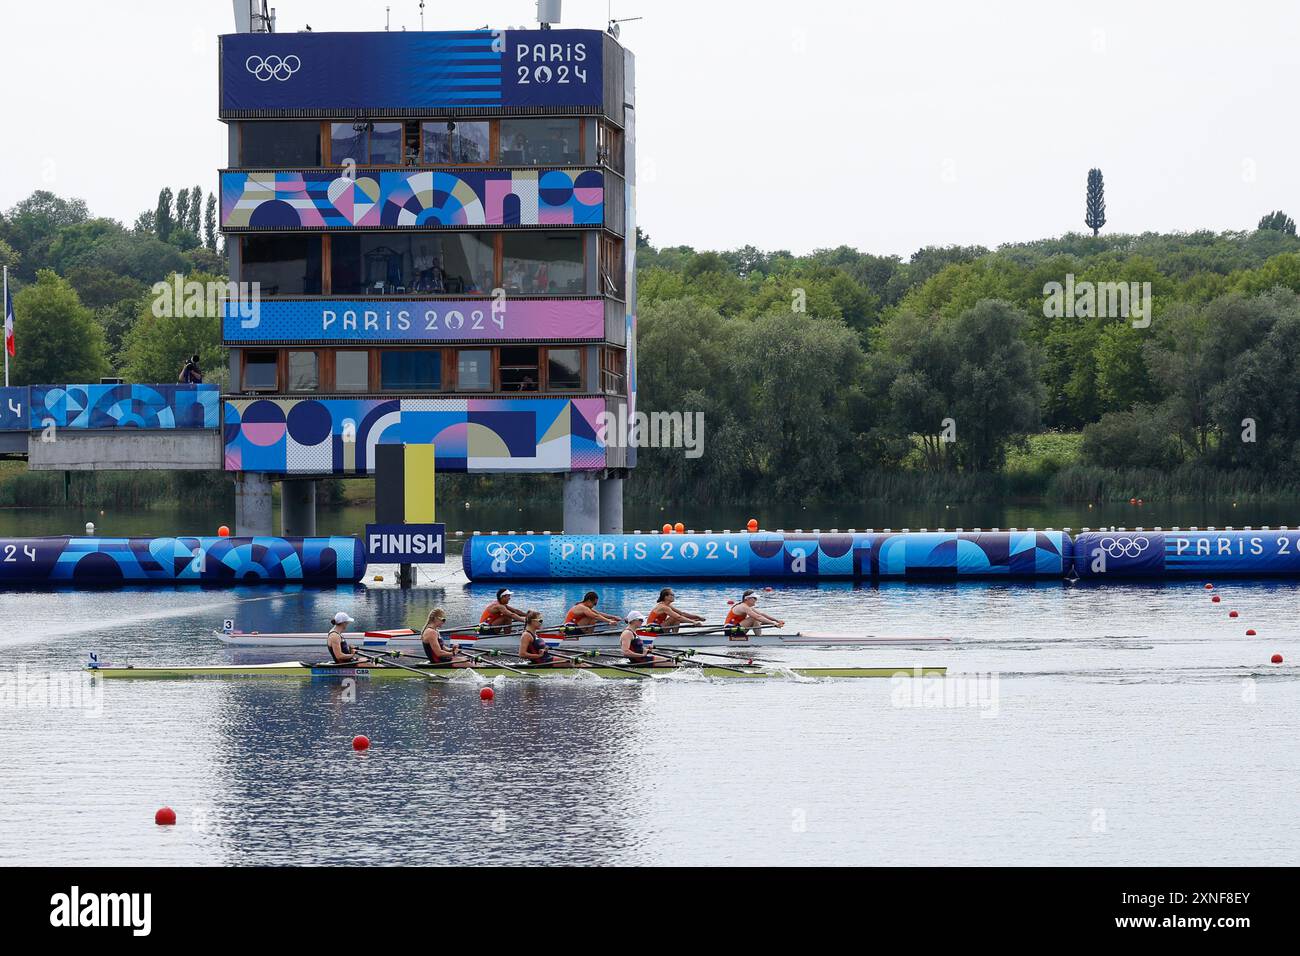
(744, 617)
(499, 617)
(666, 619)
(583, 616)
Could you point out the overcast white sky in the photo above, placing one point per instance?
(885, 126)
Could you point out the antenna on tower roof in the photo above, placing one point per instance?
(252, 16)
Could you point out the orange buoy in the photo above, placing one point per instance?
(667, 529)
(165, 817)
(752, 524)
(223, 532)
(1250, 632)
(1232, 614)
(1276, 658)
(487, 693)
(679, 528)
(1215, 599)
(360, 742)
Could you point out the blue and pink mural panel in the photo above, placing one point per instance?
(407, 198)
(478, 435)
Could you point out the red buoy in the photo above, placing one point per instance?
(165, 817)
(1232, 614)
(1209, 587)
(752, 525)
(679, 528)
(487, 693)
(668, 529)
(223, 532)
(360, 742)
(768, 590)
(1250, 632)
(1215, 599)
(1277, 658)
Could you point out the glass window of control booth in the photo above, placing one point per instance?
(474, 370)
(260, 371)
(536, 262)
(388, 263)
(519, 368)
(351, 371)
(282, 264)
(449, 141)
(564, 369)
(270, 143)
(410, 370)
(304, 371)
(541, 142)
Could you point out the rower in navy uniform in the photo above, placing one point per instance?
(531, 646)
(633, 648)
(340, 650)
(435, 648)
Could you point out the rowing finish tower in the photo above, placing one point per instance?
(442, 230)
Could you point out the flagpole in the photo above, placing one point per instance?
(6, 308)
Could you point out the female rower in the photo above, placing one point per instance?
(499, 617)
(632, 647)
(667, 619)
(745, 617)
(583, 616)
(435, 648)
(531, 646)
(340, 650)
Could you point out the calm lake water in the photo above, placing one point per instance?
(1106, 725)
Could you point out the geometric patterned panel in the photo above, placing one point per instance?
(337, 436)
(125, 406)
(324, 199)
(198, 560)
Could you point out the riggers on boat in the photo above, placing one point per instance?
(407, 639)
(325, 671)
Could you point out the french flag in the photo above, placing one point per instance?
(9, 319)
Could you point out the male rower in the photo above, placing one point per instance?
(632, 647)
(340, 650)
(435, 648)
(499, 617)
(744, 617)
(531, 646)
(583, 616)
(666, 619)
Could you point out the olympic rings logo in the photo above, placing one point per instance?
(509, 553)
(273, 67)
(1124, 547)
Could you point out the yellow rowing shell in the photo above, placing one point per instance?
(297, 669)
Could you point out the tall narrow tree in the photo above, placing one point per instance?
(162, 217)
(1095, 216)
(183, 209)
(196, 210)
(210, 222)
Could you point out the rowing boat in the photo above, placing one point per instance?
(302, 669)
(407, 639)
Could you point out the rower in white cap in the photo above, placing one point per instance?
(499, 617)
(631, 645)
(340, 650)
(745, 617)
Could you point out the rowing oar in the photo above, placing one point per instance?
(693, 652)
(684, 658)
(479, 655)
(379, 659)
(617, 667)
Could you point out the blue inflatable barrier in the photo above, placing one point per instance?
(82, 562)
(768, 555)
(1187, 554)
